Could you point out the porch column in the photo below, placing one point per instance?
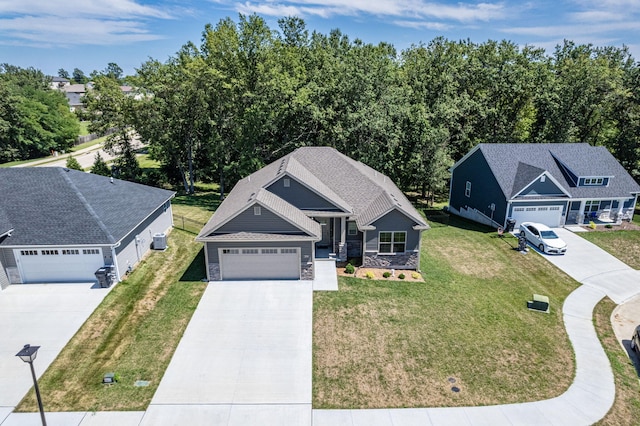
(620, 213)
(581, 213)
(343, 230)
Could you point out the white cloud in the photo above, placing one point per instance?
(47, 23)
(423, 25)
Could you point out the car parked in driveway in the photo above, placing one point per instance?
(543, 237)
(635, 341)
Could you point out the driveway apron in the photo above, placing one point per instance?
(45, 315)
(245, 358)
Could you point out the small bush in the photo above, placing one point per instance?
(416, 276)
(608, 226)
(349, 269)
(369, 275)
(592, 225)
(401, 276)
(386, 274)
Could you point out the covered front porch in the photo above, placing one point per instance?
(601, 212)
(333, 241)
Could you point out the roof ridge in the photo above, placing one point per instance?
(83, 200)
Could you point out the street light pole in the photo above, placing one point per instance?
(28, 354)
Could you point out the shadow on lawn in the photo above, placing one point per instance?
(195, 271)
(205, 200)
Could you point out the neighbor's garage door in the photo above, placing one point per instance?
(59, 265)
(548, 215)
(260, 263)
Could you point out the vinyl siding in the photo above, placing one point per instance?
(300, 196)
(547, 188)
(393, 221)
(4, 263)
(267, 222)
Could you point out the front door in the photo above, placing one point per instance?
(325, 226)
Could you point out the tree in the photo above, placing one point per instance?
(79, 77)
(113, 71)
(99, 166)
(62, 73)
(73, 164)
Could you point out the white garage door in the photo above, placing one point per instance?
(260, 263)
(548, 215)
(59, 265)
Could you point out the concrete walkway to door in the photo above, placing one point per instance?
(245, 358)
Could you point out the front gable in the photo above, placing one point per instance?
(259, 219)
(543, 185)
(300, 195)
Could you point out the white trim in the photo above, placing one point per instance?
(392, 242)
(545, 173)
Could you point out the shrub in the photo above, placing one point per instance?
(592, 225)
(369, 275)
(608, 226)
(416, 276)
(401, 276)
(386, 274)
(349, 269)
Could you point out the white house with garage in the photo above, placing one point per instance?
(314, 203)
(60, 226)
(555, 184)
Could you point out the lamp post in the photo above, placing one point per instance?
(28, 354)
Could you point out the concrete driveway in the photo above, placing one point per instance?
(245, 358)
(46, 315)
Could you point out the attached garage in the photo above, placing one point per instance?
(548, 215)
(58, 264)
(263, 263)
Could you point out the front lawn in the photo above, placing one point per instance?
(133, 333)
(465, 337)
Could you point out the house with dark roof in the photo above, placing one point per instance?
(314, 203)
(554, 184)
(61, 225)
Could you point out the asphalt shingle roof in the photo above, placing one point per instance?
(513, 165)
(350, 185)
(5, 225)
(57, 206)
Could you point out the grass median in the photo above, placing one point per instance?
(464, 337)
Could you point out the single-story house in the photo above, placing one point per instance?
(313, 203)
(61, 225)
(554, 184)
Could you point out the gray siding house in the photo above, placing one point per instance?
(60, 225)
(313, 203)
(555, 184)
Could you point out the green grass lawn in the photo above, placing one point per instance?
(626, 407)
(133, 333)
(625, 245)
(390, 344)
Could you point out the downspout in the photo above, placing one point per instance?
(206, 260)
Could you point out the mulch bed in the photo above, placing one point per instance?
(624, 226)
(378, 274)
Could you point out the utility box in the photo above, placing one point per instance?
(160, 241)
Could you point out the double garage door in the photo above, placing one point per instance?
(58, 265)
(547, 215)
(260, 263)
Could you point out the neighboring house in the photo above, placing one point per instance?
(61, 225)
(74, 94)
(554, 184)
(58, 83)
(313, 203)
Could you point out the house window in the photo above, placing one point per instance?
(29, 252)
(287, 182)
(352, 228)
(90, 251)
(230, 251)
(257, 211)
(467, 189)
(270, 251)
(594, 181)
(70, 252)
(249, 251)
(591, 205)
(392, 242)
(49, 252)
(288, 251)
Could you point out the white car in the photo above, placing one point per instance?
(543, 237)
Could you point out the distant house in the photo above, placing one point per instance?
(554, 184)
(60, 225)
(74, 94)
(313, 203)
(57, 83)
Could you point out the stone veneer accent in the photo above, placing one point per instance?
(214, 271)
(396, 261)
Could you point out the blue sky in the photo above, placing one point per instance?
(88, 34)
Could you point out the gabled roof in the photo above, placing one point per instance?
(58, 206)
(350, 185)
(514, 165)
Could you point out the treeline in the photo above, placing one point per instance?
(34, 120)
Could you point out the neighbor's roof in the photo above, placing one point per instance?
(75, 88)
(350, 185)
(58, 206)
(517, 165)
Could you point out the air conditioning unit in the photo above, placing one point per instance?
(160, 241)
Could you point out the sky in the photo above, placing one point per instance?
(89, 34)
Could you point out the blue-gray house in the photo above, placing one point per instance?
(313, 203)
(555, 184)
